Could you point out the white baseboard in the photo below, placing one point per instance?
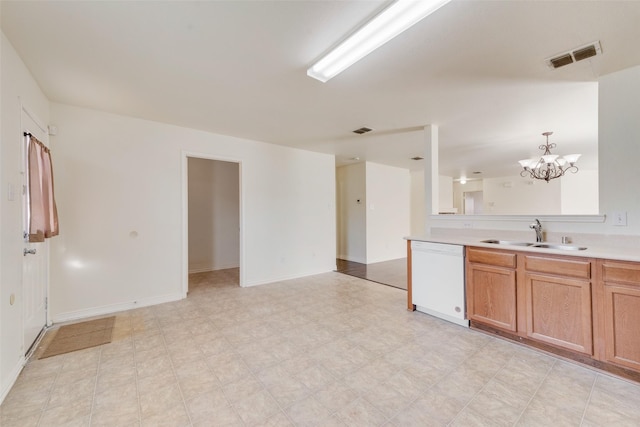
(114, 308)
(207, 269)
(11, 380)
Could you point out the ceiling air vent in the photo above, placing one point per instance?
(561, 61)
(575, 55)
(362, 130)
(585, 52)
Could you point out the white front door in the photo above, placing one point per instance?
(35, 262)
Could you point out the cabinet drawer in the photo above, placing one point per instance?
(484, 256)
(621, 272)
(562, 267)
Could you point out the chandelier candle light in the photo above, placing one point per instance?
(549, 166)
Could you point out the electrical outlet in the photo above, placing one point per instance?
(620, 218)
(467, 225)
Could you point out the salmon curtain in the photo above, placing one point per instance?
(43, 214)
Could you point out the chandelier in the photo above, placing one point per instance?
(549, 166)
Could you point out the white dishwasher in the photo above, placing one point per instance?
(437, 280)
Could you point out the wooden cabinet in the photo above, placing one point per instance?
(546, 298)
(578, 307)
(619, 288)
(491, 288)
(558, 302)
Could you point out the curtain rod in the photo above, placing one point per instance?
(37, 141)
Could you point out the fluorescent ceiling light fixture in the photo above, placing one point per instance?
(400, 16)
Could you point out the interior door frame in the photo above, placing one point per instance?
(25, 110)
(185, 212)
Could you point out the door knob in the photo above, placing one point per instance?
(28, 251)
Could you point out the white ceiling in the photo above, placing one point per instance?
(474, 68)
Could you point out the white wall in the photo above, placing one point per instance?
(214, 215)
(119, 185)
(573, 194)
(352, 212)
(388, 212)
(580, 193)
(445, 194)
(18, 87)
(619, 147)
(514, 195)
(418, 204)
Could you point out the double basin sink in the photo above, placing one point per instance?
(535, 245)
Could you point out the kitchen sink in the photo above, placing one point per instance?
(561, 247)
(535, 245)
(507, 242)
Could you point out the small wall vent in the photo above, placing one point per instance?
(578, 54)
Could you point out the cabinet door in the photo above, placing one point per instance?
(621, 312)
(558, 311)
(491, 296)
(622, 317)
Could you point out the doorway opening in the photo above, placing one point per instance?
(372, 216)
(473, 203)
(213, 223)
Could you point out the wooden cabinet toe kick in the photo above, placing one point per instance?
(556, 351)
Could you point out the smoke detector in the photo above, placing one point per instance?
(575, 55)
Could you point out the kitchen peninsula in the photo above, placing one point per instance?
(581, 304)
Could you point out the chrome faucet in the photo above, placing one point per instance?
(538, 228)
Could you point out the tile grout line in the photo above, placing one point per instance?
(586, 406)
(44, 408)
(388, 419)
(164, 342)
(204, 360)
(282, 409)
(231, 404)
(95, 384)
(485, 384)
(135, 368)
(555, 362)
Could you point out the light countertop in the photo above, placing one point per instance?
(613, 252)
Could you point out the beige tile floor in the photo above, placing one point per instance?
(327, 350)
